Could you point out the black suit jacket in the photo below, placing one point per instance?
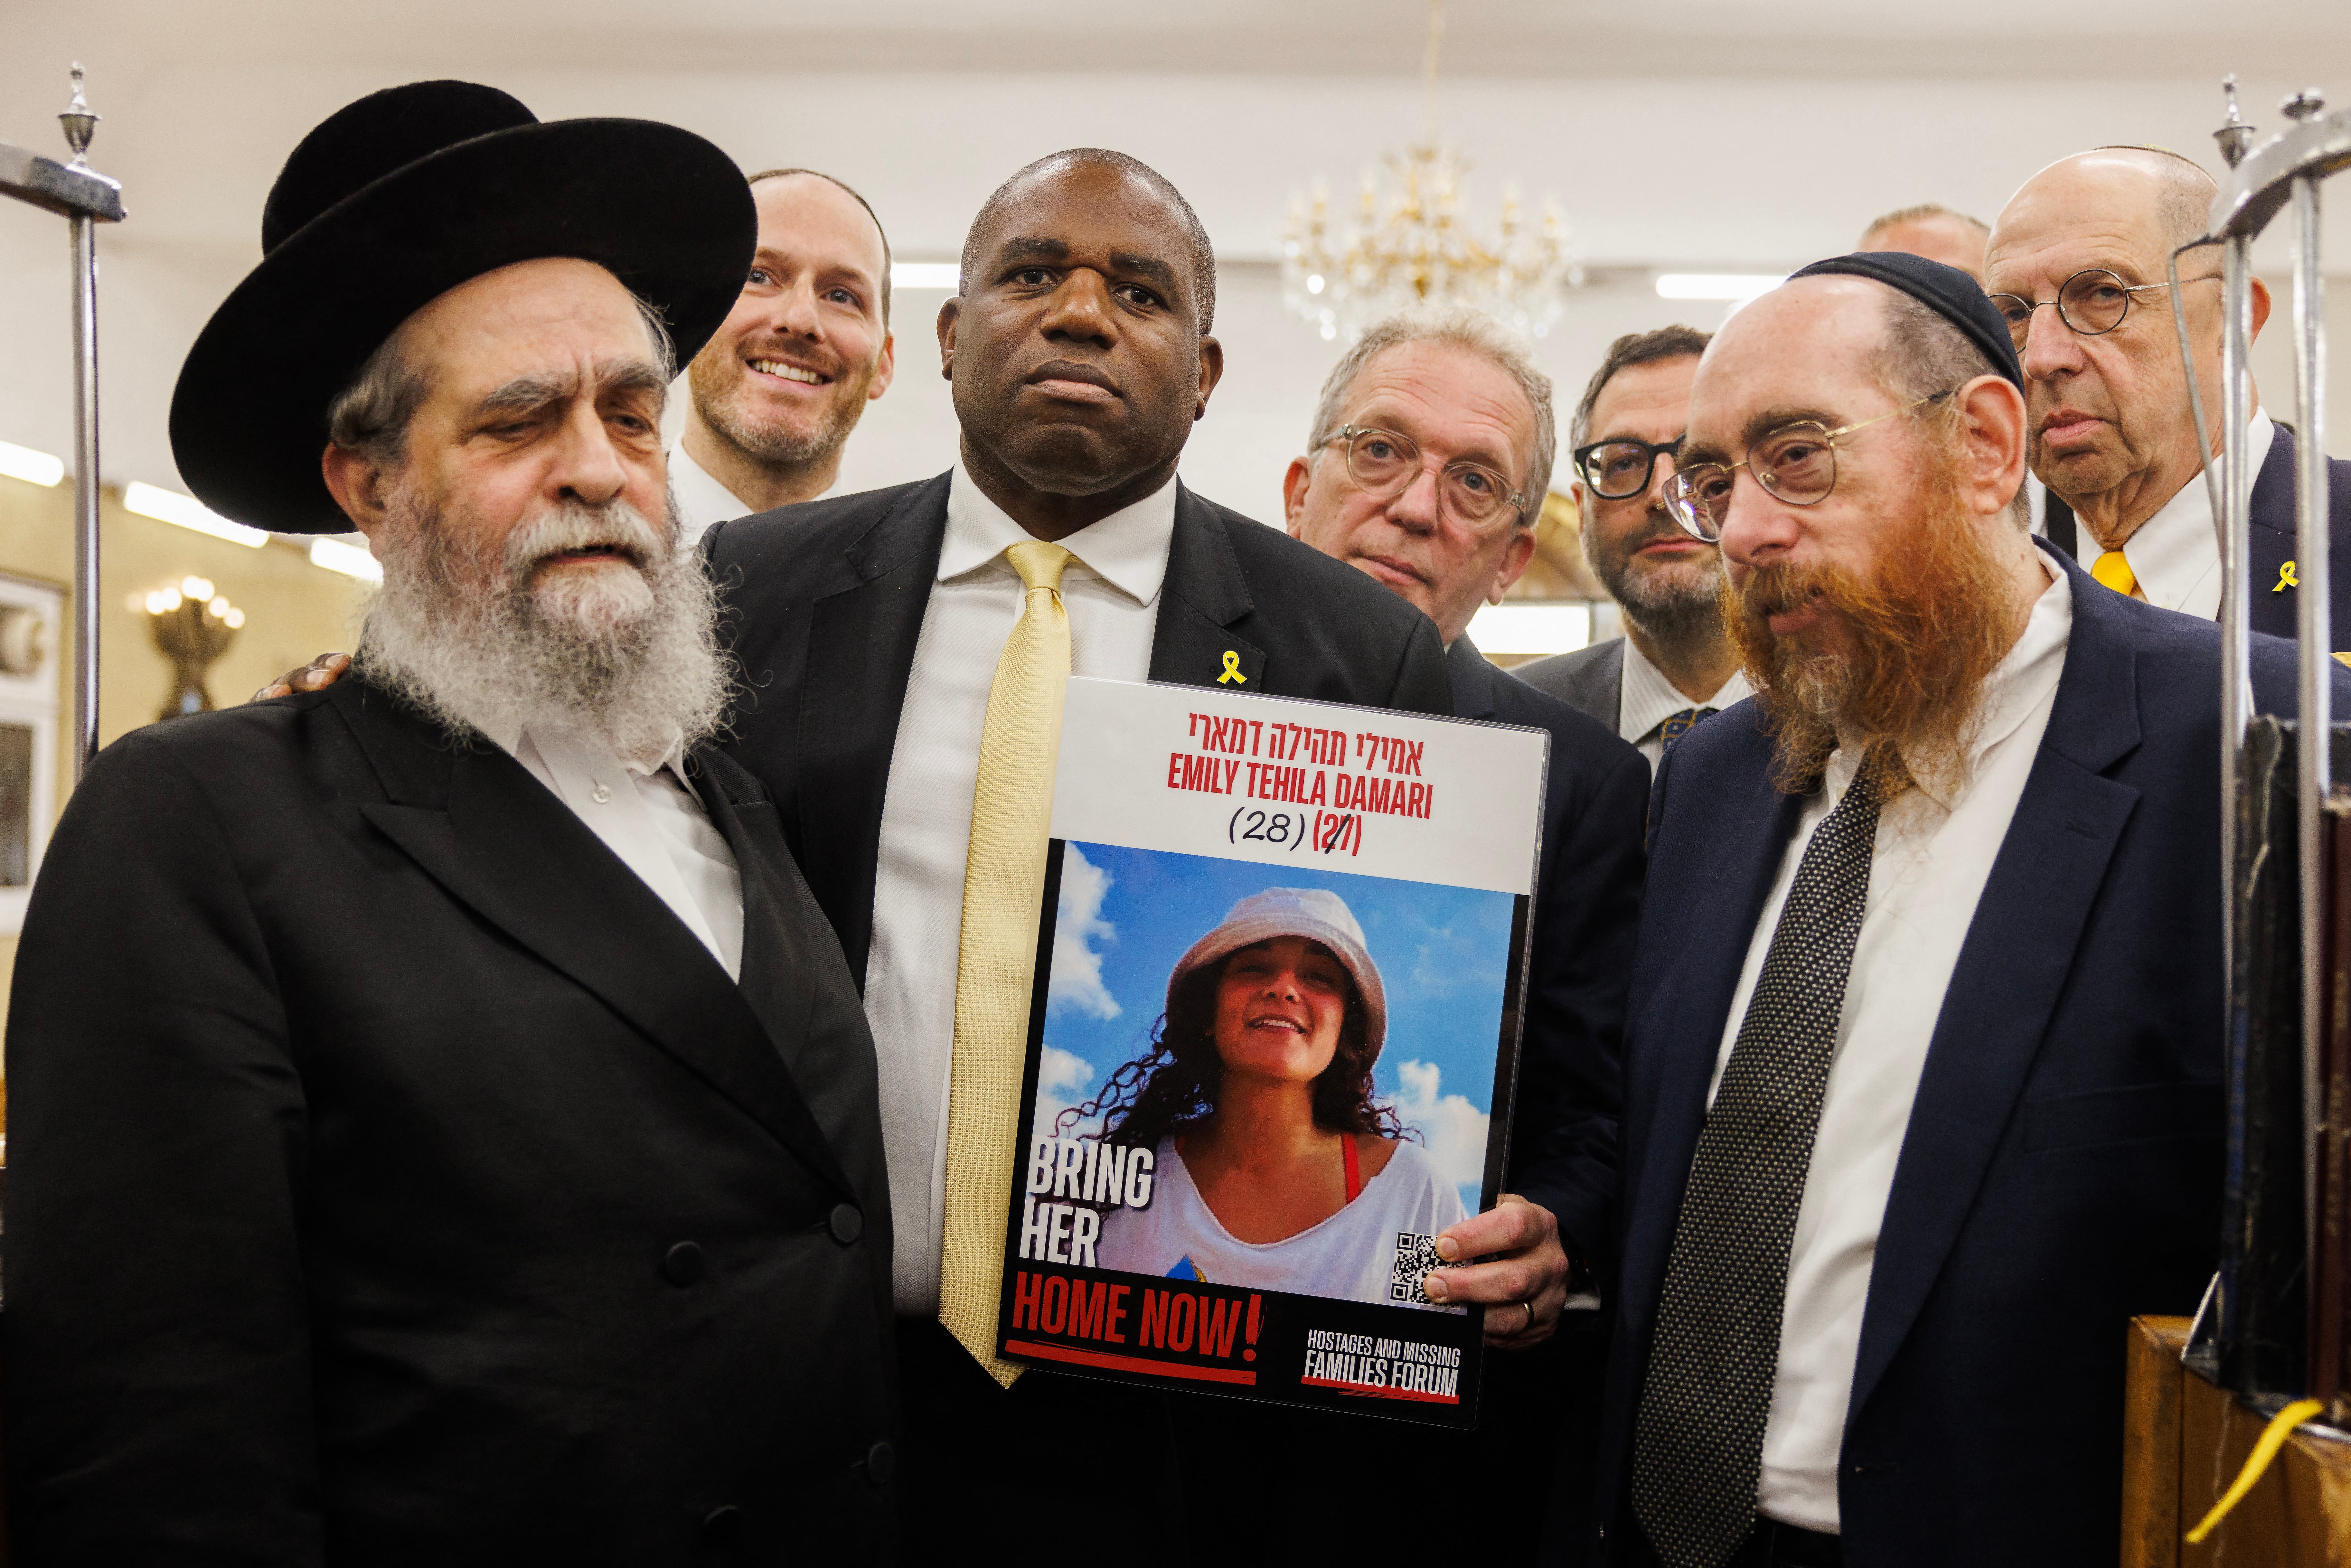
(397, 1180)
(826, 601)
(2271, 540)
(1590, 679)
(2061, 1169)
(1587, 910)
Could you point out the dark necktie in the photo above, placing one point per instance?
(1677, 725)
(1699, 1446)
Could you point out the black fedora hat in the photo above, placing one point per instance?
(393, 202)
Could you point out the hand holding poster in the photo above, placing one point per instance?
(1272, 1044)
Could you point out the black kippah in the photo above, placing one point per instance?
(1946, 290)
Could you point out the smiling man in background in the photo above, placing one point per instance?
(807, 347)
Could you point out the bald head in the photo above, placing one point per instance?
(1130, 170)
(1934, 232)
(2159, 198)
(2111, 422)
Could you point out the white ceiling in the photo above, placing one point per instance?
(1563, 38)
(1699, 134)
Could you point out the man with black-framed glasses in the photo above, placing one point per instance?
(1672, 667)
(1922, 1064)
(2076, 267)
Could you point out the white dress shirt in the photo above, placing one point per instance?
(702, 500)
(1926, 873)
(1111, 593)
(654, 820)
(2174, 554)
(1647, 699)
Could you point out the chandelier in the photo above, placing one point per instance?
(1409, 244)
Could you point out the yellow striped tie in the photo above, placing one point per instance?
(1004, 876)
(2113, 571)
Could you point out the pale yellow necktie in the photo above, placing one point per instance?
(2113, 571)
(1004, 877)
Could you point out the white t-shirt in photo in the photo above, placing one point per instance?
(1348, 1256)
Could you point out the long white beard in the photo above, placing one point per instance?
(627, 657)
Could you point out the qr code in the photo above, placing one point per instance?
(1414, 1257)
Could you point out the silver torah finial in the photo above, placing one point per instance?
(79, 122)
(2234, 135)
(2307, 105)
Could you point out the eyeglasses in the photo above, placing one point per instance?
(1795, 462)
(1382, 464)
(1619, 470)
(2093, 302)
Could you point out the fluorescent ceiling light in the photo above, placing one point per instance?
(171, 506)
(35, 467)
(943, 275)
(1531, 628)
(351, 560)
(1717, 285)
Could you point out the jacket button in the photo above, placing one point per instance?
(682, 1266)
(881, 1463)
(845, 1223)
(723, 1526)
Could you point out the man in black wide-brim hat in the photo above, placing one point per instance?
(445, 1126)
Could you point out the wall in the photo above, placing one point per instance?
(293, 610)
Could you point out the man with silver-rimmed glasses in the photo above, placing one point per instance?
(1672, 667)
(2077, 267)
(1922, 1090)
(1430, 451)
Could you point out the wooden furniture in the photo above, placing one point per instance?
(2184, 1439)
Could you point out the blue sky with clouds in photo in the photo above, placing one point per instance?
(1127, 915)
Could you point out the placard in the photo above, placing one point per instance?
(1272, 1045)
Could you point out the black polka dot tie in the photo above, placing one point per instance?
(1677, 725)
(1697, 1448)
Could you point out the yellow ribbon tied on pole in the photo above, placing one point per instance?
(2273, 1439)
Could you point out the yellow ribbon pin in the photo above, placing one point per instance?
(2285, 578)
(1232, 669)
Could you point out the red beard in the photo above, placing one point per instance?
(1900, 652)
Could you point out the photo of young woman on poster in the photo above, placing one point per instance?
(1276, 1167)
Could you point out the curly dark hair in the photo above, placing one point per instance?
(1173, 1086)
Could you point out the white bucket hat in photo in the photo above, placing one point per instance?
(1308, 912)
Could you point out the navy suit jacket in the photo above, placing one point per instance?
(2062, 1166)
(2273, 542)
(1587, 910)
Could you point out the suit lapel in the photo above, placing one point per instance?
(499, 843)
(2271, 541)
(778, 923)
(1205, 593)
(1473, 679)
(1683, 1026)
(861, 653)
(2011, 968)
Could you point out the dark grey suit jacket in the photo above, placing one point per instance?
(1587, 912)
(1590, 678)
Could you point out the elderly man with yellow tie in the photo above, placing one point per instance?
(2076, 266)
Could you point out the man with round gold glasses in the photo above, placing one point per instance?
(1919, 1064)
(2076, 267)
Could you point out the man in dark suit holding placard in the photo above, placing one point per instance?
(904, 649)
